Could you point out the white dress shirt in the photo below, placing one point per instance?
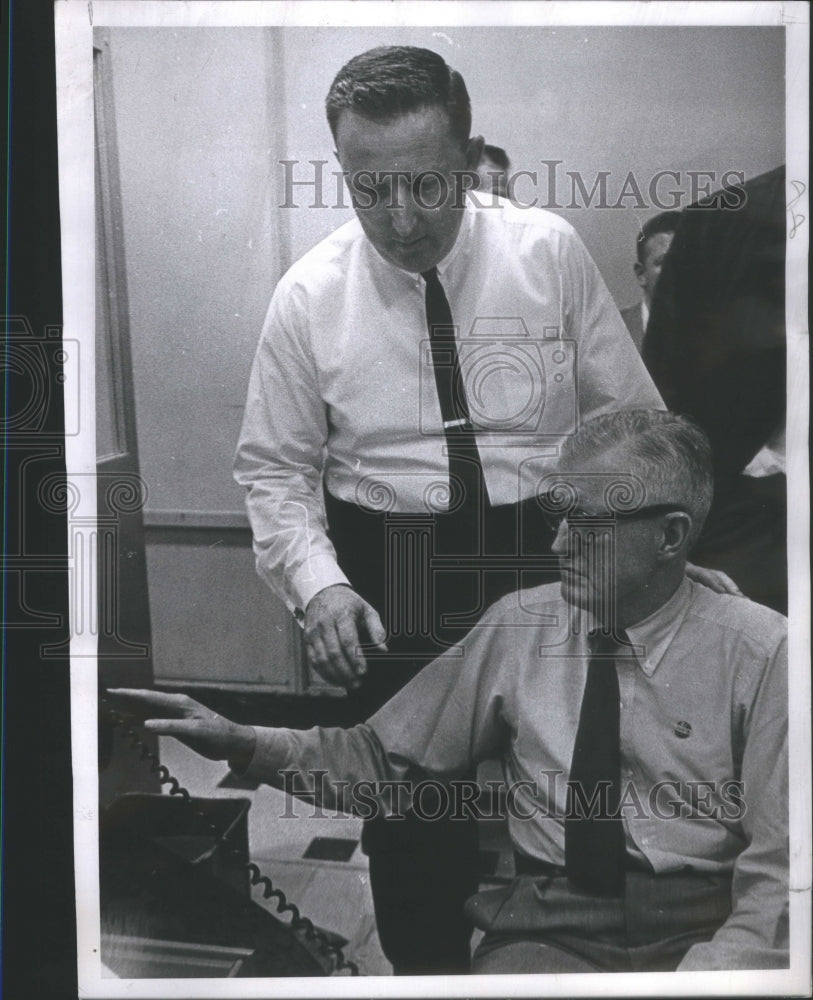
(703, 711)
(342, 383)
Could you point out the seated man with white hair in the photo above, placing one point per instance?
(641, 720)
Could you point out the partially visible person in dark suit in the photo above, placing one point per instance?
(651, 248)
(493, 170)
(716, 348)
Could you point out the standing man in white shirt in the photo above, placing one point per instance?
(416, 376)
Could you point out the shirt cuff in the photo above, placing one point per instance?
(273, 750)
(315, 575)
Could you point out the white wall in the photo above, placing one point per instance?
(194, 128)
(197, 131)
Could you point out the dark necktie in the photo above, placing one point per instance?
(465, 469)
(594, 841)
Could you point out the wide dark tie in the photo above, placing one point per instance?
(594, 833)
(465, 468)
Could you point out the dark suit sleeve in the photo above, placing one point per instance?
(715, 342)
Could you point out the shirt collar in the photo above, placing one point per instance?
(462, 240)
(644, 313)
(656, 632)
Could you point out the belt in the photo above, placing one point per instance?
(529, 509)
(526, 865)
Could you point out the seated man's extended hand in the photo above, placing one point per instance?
(201, 729)
(337, 622)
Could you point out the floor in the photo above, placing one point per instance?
(316, 860)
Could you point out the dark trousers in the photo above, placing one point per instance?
(430, 577)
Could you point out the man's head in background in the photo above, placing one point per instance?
(493, 170)
(652, 245)
(639, 487)
(401, 120)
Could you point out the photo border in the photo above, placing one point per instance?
(75, 136)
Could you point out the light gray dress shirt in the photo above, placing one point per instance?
(703, 743)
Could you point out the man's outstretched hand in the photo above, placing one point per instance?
(201, 729)
(337, 622)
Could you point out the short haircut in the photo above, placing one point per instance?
(669, 453)
(385, 83)
(497, 155)
(666, 222)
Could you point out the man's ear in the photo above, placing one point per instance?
(474, 151)
(677, 527)
(638, 267)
